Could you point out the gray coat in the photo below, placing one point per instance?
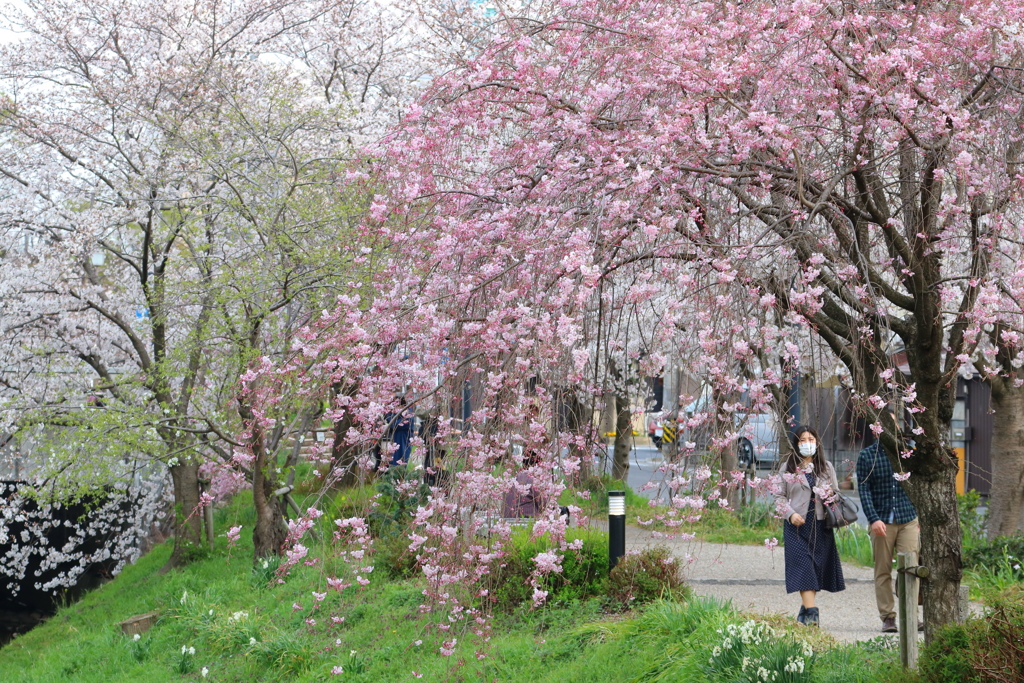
(793, 496)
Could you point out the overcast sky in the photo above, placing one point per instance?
(5, 35)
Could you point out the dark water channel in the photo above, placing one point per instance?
(14, 623)
(44, 546)
(19, 615)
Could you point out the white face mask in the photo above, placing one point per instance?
(807, 449)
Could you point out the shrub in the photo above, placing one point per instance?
(595, 503)
(947, 657)
(989, 553)
(1007, 573)
(998, 565)
(972, 522)
(645, 576)
(998, 652)
(389, 521)
(988, 649)
(396, 504)
(582, 576)
(393, 554)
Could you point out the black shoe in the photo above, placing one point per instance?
(811, 617)
(889, 625)
(802, 617)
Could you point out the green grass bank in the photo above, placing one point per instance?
(221, 616)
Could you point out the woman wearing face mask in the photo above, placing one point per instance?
(806, 484)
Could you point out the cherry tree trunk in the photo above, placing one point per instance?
(934, 496)
(270, 531)
(576, 420)
(343, 454)
(1006, 503)
(730, 463)
(623, 437)
(188, 521)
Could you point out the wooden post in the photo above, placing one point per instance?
(906, 589)
(204, 487)
(965, 602)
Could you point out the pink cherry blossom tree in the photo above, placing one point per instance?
(852, 165)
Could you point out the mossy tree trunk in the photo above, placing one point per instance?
(188, 521)
(1006, 502)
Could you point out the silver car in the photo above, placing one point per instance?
(759, 440)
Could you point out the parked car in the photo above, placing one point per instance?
(655, 430)
(759, 444)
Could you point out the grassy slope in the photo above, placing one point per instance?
(577, 642)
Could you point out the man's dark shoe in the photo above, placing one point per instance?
(802, 617)
(889, 625)
(920, 627)
(811, 617)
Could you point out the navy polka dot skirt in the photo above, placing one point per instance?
(812, 560)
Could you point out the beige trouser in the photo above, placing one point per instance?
(899, 538)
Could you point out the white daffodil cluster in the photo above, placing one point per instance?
(759, 655)
(737, 639)
(795, 665)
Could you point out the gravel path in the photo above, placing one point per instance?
(754, 579)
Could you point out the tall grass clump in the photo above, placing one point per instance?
(854, 545)
(758, 514)
(995, 566)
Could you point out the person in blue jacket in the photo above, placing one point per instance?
(400, 424)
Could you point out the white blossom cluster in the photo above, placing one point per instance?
(49, 547)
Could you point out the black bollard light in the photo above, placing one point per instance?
(616, 527)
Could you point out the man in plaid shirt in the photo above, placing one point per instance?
(893, 522)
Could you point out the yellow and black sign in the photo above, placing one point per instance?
(669, 431)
